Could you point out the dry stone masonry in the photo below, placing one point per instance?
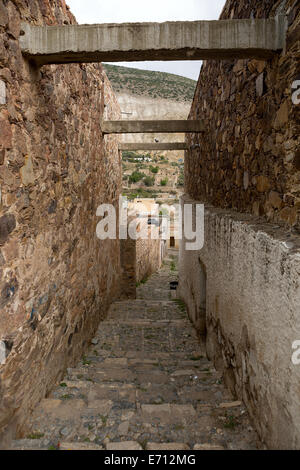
(249, 157)
(56, 278)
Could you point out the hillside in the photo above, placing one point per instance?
(143, 95)
(150, 84)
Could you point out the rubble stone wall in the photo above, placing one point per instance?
(249, 157)
(148, 255)
(139, 259)
(56, 277)
(128, 264)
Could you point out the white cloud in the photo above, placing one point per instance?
(121, 11)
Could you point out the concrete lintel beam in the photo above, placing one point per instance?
(154, 146)
(152, 127)
(173, 40)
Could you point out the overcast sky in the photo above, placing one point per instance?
(122, 11)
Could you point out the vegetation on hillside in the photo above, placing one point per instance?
(152, 84)
(180, 182)
(136, 176)
(140, 193)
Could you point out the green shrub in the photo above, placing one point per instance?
(128, 154)
(154, 169)
(149, 180)
(136, 176)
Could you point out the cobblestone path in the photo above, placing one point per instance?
(145, 384)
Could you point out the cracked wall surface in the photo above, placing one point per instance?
(251, 316)
(242, 289)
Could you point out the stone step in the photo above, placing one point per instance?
(170, 361)
(141, 302)
(145, 323)
(72, 409)
(208, 447)
(137, 372)
(147, 388)
(98, 374)
(126, 445)
(38, 443)
(90, 390)
(167, 446)
(145, 383)
(150, 340)
(168, 413)
(79, 446)
(155, 394)
(133, 424)
(196, 356)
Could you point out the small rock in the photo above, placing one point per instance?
(260, 85)
(65, 431)
(282, 115)
(127, 415)
(123, 428)
(7, 225)
(275, 200)
(158, 401)
(27, 174)
(262, 183)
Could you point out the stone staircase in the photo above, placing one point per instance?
(145, 384)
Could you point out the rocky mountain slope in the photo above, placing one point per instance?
(143, 94)
(157, 85)
(147, 95)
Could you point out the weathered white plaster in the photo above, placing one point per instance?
(252, 315)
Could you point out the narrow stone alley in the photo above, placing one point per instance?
(145, 384)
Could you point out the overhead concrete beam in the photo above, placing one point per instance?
(154, 146)
(152, 127)
(173, 40)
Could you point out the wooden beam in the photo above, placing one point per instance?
(172, 40)
(154, 127)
